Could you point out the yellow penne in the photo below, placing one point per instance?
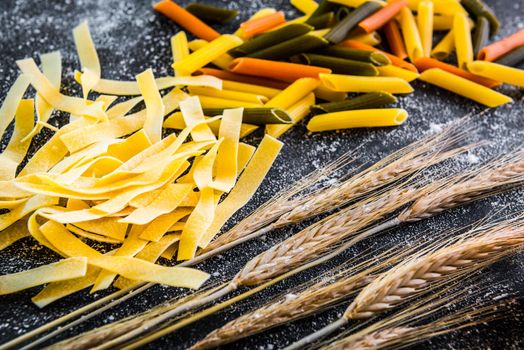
(425, 25)
(355, 83)
(326, 94)
(155, 108)
(297, 112)
(394, 71)
(216, 102)
(246, 186)
(509, 75)
(223, 61)
(208, 53)
(463, 43)
(10, 104)
(361, 118)
(464, 87)
(228, 94)
(410, 34)
(16, 150)
(179, 48)
(305, 6)
(443, 7)
(444, 22)
(293, 93)
(320, 32)
(372, 38)
(63, 270)
(130, 88)
(260, 13)
(445, 47)
(250, 88)
(88, 58)
(355, 3)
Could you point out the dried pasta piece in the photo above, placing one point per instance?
(88, 58)
(62, 270)
(13, 233)
(293, 93)
(394, 71)
(32, 204)
(360, 118)
(16, 150)
(121, 109)
(246, 186)
(297, 112)
(155, 108)
(12, 99)
(226, 164)
(307, 7)
(353, 83)
(179, 49)
(463, 43)
(411, 35)
(509, 75)
(221, 61)
(126, 266)
(193, 114)
(156, 229)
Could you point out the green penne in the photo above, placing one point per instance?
(338, 65)
(341, 30)
(256, 116)
(480, 35)
(324, 6)
(512, 58)
(477, 9)
(211, 14)
(290, 47)
(369, 100)
(342, 13)
(375, 57)
(322, 21)
(270, 39)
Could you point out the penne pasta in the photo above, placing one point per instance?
(307, 7)
(513, 57)
(479, 9)
(441, 22)
(259, 25)
(394, 71)
(208, 53)
(365, 101)
(481, 35)
(500, 48)
(221, 61)
(394, 59)
(360, 118)
(425, 25)
(492, 70)
(179, 48)
(297, 112)
(340, 31)
(356, 3)
(372, 39)
(382, 16)
(445, 47)
(411, 35)
(217, 102)
(326, 94)
(442, 7)
(293, 93)
(249, 88)
(464, 87)
(260, 13)
(211, 14)
(225, 75)
(228, 94)
(463, 43)
(394, 38)
(352, 83)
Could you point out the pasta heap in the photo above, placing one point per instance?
(335, 43)
(111, 176)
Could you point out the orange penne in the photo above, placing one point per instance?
(425, 63)
(256, 26)
(186, 20)
(276, 70)
(394, 38)
(501, 47)
(249, 79)
(382, 16)
(394, 59)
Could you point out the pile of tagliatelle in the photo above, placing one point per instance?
(109, 176)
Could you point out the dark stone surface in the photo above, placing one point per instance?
(130, 38)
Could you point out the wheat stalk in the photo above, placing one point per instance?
(373, 341)
(421, 273)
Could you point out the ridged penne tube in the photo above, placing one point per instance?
(63, 270)
(360, 118)
(179, 49)
(446, 46)
(250, 88)
(442, 7)
(394, 71)
(208, 53)
(497, 71)
(221, 61)
(297, 112)
(305, 6)
(260, 13)
(353, 83)
(464, 87)
(293, 93)
(425, 25)
(410, 34)
(442, 22)
(217, 102)
(326, 94)
(372, 38)
(463, 43)
(355, 3)
(228, 94)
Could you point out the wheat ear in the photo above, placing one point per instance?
(418, 274)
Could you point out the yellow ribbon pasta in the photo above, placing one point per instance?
(12, 99)
(155, 108)
(88, 58)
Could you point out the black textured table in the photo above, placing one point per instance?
(130, 38)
